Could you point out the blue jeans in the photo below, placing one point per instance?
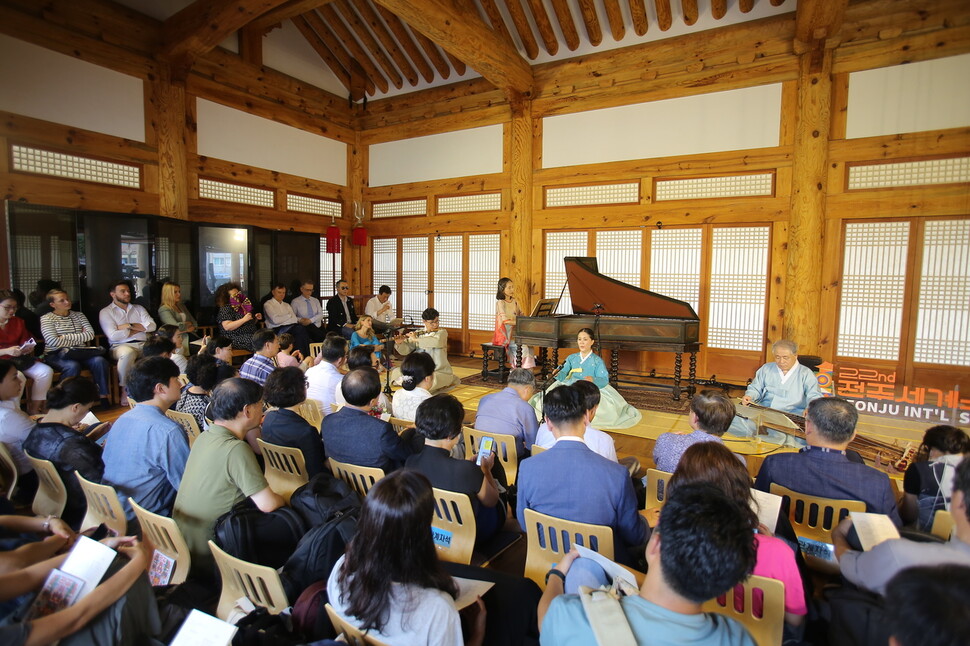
(98, 366)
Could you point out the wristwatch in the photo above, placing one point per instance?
(47, 525)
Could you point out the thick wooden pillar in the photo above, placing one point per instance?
(167, 125)
(804, 274)
(355, 257)
(520, 193)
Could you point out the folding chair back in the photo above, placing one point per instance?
(763, 614)
(361, 479)
(550, 538)
(258, 583)
(51, 496)
(103, 507)
(312, 411)
(942, 524)
(656, 488)
(285, 468)
(8, 471)
(453, 526)
(504, 450)
(188, 423)
(164, 535)
(350, 633)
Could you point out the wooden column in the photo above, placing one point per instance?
(520, 195)
(356, 257)
(804, 273)
(167, 125)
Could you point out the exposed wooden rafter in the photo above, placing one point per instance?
(593, 31)
(615, 17)
(374, 50)
(689, 7)
(431, 51)
(522, 28)
(377, 26)
(638, 11)
(285, 11)
(496, 20)
(544, 26)
(566, 24)
(323, 51)
(403, 36)
(664, 16)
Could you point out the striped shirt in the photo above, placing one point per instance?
(69, 331)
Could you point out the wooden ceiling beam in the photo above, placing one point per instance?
(332, 43)
(592, 22)
(251, 45)
(566, 24)
(469, 38)
(523, 28)
(290, 9)
(638, 11)
(368, 14)
(497, 21)
(718, 8)
(615, 18)
(403, 37)
(431, 51)
(322, 51)
(199, 27)
(664, 16)
(456, 63)
(817, 20)
(689, 8)
(369, 42)
(544, 25)
(350, 43)
(745, 5)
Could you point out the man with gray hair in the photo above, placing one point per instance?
(509, 412)
(784, 384)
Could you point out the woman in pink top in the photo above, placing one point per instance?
(714, 463)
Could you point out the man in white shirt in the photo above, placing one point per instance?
(324, 378)
(126, 326)
(381, 309)
(309, 312)
(281, 319)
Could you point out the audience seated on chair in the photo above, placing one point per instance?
(929, 605)
(324, 378)
(222, 469)
(873, 569)
(439, 422)
(697, 520)
(928, 480)
(147, 452)
(56, 439)
(363, 356)
(15, 426)
(259, 366)
(822, 468)
(127, 326)
(433, 339)
(220, 347)
(571, 482)
(390, 580)
(18, 345)
(508, 411)
(203, 373)
(70, 345)
(26, 540)
(710, 416)
(353, 436)
(286, 390)
(598, 441)
(281, 318)
(417, 375)
(171, 333)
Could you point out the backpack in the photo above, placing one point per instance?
(309, 613)
(317, 552)
(323, 497)
(257, 537)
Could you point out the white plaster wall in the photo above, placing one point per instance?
(476, 151)
(286, 50)
(236, 136)
(719, 121)
(930, 95)
(44, 84)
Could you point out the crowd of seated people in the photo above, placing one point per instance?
(390, 580)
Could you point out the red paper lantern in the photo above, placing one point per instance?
(359, 236)
(333, 239)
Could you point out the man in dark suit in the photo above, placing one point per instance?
(571, 482)
(353, 436)
(341, 316)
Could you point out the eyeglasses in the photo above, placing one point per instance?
(345, 289)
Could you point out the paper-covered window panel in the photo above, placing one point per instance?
(28, 262)
(483, 266)
(314, 205)
(228, 192)
(675, 264)
(384, 261)
(626, 193)
(954, 170)
(699, 188)
(943, 322)
(448, 280)
(560, 245)
(739, 281)
(470, 203)
(330, 271)
(873, 289)
(399, 209)
(414, 277)
(618, 255)
(46, 162)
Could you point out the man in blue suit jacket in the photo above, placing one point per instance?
(571, 482)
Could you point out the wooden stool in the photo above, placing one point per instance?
(496, 353)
